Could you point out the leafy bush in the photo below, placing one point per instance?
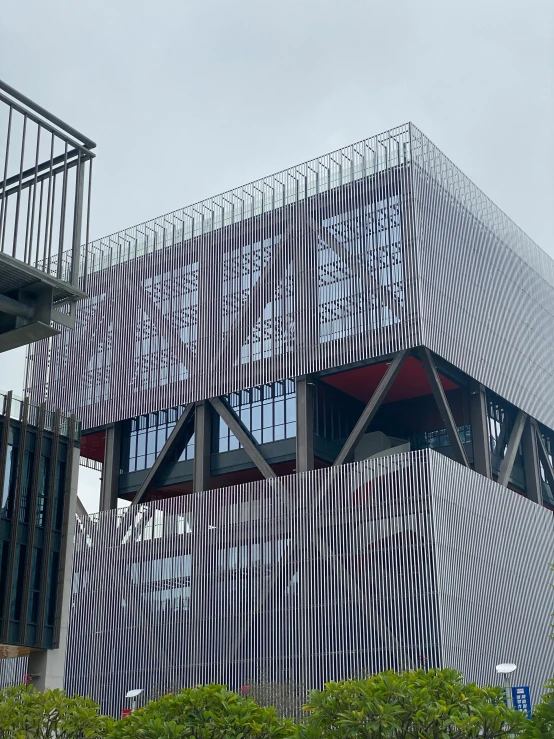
(412, 705)
(542, 724)
(206, 712)
(27, 714)
(435, 704)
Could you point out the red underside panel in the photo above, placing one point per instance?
(92, 446)
(362, 382)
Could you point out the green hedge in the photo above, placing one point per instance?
(436, 704)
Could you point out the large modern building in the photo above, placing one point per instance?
(329, 395)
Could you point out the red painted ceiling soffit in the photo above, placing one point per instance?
(92, 446)
(362, 382)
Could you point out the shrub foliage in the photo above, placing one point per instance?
(437, 704)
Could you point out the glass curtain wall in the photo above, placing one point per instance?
(267, 411)
(148, 434)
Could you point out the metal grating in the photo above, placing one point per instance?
(380, 246)
(392, 562)
(263, 283)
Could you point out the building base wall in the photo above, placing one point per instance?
(493, 548)
(46, 669)
(317, 576)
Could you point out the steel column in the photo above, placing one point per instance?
(177, 440)
(304, 424)
(443, 406)
(533, 481)
(371, 408)
(508, 462)
(202, 446)
(479, 428)
(544, 458)
(110, 468)
(243, 435)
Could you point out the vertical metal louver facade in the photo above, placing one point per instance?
(486, 289)
(403, 561)
(287, 275)
(379, 246)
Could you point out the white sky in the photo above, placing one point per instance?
(187, 99)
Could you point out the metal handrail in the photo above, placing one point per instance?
(88, 143)
(45, 185)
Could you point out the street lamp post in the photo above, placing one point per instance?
(505, 669)
(133, 695)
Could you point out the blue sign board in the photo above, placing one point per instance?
(521, 699)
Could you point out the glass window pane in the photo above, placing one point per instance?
(291, 430)
(279, 412)
(256, 417)
(132, 446)
(291, 409)
(161, 438)
(245, 416)
(268, 414)
(151, 447)
(279, 432)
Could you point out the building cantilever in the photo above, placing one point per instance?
(45, 176)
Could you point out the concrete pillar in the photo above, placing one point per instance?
(531, 462)
(479, 428)
(110, 468)
(304, 424)
(48, 665)
(202, 446)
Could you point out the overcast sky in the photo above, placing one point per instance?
(188, 98)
